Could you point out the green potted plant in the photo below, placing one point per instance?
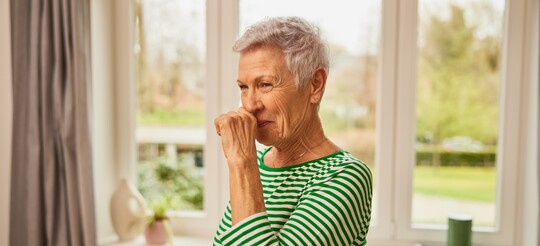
(158, 230)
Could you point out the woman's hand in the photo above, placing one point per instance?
(237, 131)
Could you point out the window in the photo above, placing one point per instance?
(176, 90)
(171, 78)
(457, 109)
(381, 77)
(501, 88)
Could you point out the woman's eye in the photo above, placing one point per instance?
(242, 87)
(266, 86)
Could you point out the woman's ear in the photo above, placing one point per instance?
(318, 83)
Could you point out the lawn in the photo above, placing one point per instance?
(462, 183)
(181, 117)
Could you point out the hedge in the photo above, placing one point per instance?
(454, 158)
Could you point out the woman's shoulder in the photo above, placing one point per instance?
(343, 162)
(344, 158)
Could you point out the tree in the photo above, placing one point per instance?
(457, 92)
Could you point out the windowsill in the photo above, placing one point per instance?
(140, 241)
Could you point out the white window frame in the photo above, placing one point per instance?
(6, 114)
(221, 70)
(510, 118)
(395, 120)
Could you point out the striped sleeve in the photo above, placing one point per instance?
(253, 230)
(335, 210)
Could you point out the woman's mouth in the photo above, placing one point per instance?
(261, 124)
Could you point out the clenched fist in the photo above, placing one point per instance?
(237, 131)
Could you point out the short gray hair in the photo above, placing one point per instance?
(303, 49)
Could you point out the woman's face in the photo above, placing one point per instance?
(269, 92)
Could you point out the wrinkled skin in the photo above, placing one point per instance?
(268, 91)
(237, 131)
(275, 113)
(285, 117)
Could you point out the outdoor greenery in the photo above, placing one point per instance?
(184, 117)
(180, 186)
(461, 183)
(458, 80)
(458, 95)
(170, 68)
(159, 209)
(457, 158)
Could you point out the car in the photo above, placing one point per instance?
(462, 143)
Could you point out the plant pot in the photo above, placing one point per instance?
(156, 233)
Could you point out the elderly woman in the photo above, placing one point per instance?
(303, 189)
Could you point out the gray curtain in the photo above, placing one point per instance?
(52, 199)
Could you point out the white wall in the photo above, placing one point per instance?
(530, 200)
(5, 120)
(104, 140)
(530, 203)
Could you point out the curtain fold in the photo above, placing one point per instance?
(52, 199)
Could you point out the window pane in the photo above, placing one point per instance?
(171, 77)
(457, 110)
(352, 29)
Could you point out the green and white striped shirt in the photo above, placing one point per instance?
(326, 201)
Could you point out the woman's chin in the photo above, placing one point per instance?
(264, 139)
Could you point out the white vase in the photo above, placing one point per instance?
(128, 211)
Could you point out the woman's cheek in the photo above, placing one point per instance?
(285, 116)
(286, 119)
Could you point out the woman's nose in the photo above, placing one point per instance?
(252, 103)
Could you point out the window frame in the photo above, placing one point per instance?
(395, 120)
(510, 118)
(219, 16)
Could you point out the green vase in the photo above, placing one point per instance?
(459, 230)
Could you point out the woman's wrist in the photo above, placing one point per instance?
(242, 164)
(245, 190)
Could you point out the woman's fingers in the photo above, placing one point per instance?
(235, 119)
(223, 120)
(248, 118)
(244, 111)
(217, 125)
(237, 131)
